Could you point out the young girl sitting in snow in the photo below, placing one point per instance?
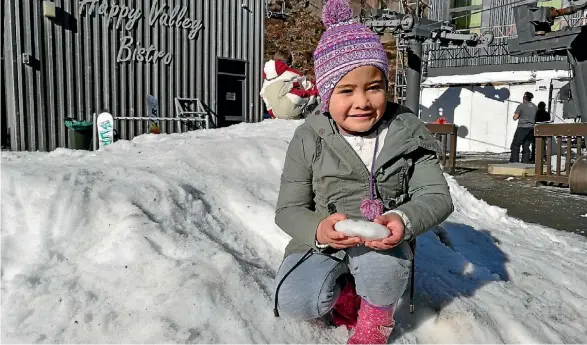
(359, 158)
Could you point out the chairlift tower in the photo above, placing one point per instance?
(416, 30)
(535, 36)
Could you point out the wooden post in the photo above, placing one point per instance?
(547, 133)
(443, 131)
(538, 163)
(453, 150)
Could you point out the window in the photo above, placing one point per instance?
(466, 15)
(551, 3)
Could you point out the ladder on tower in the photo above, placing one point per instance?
(400, 72)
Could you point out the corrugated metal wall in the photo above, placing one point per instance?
(73, 69)
(3, 120)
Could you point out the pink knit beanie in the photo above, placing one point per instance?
(344, 46)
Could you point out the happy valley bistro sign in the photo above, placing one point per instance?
(124, 17)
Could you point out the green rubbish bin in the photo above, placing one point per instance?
(79, 134)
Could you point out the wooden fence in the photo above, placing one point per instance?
(572, 136)
(447, 135)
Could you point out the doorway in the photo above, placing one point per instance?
(231, 99)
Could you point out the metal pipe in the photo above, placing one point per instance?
(145, 118)
(95, 131)
(576, 58)
(555, 13)
(414, 76)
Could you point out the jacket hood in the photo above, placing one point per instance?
(274, 69)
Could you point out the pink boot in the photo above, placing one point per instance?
(374, 324)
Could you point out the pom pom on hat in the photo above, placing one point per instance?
(335, 12)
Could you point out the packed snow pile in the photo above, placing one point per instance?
(496, 77)
(171, 239)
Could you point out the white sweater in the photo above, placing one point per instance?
(365, 145)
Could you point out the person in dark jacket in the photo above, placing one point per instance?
(542, 115)
(525, 114)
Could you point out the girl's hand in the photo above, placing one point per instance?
(325, 234)
(396, 225)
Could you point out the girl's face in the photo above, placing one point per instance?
(359, 99)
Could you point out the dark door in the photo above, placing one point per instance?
(230, 101)
(231, 96)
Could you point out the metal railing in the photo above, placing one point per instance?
(494, 54)
(183, 111)
(510, 30)
(135, 119)
(186, 119)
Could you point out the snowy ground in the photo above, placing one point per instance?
(170, 238)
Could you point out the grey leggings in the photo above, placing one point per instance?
(312, 288)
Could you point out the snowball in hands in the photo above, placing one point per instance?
(366, 230)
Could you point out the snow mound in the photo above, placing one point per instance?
(171, 238)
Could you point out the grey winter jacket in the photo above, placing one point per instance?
(321, 168)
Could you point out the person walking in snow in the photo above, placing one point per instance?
(357, 157)
(286, 92)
